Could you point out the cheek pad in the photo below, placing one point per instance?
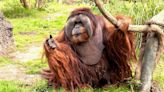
(87, 24)
(69, 26)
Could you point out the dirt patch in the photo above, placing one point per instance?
(33, 52)
(14, 72)
(28, 33)
(17, 72)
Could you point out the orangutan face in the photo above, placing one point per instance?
(79, 29)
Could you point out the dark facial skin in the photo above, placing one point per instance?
(76, 30)
(79, 34)
(79, 29)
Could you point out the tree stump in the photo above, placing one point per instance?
(6, 36)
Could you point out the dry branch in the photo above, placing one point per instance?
(107, 15)
(134, 28)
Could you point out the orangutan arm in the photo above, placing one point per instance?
(119, 48)
(119, 39)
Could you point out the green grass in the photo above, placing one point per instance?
(33, 26)
(51, 19)
(159, 72)
(12, 86)
(32, 67)
(17, 86)
(41, 86)
(139, 11)
(5, 60)
(35, 66)
(30, 30)
(13, 9)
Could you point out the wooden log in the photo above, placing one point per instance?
(146, 28)
(154, 45)
(152, 51)
(148, 62)
(106, 14)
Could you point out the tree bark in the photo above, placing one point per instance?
(106, 1)
(148, 62)
(39, 3)
(60, 1)
(25, 4)
(154, 45)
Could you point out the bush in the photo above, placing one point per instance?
(13, 9)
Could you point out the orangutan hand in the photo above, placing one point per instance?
(51, 42)
(123, 25)
(49, 75)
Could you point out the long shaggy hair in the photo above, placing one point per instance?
(70, 72)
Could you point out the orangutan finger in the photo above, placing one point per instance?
(47, 73)
(123, 25)
(51, 42)
(46, 77)
(46, 70)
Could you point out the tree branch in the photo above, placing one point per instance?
(135, 28)
(107, 15)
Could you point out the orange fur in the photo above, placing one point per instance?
(70, 72)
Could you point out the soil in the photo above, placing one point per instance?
(17, 72)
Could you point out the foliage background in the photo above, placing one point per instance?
(32, 26)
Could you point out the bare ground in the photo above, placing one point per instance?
(16, 72)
